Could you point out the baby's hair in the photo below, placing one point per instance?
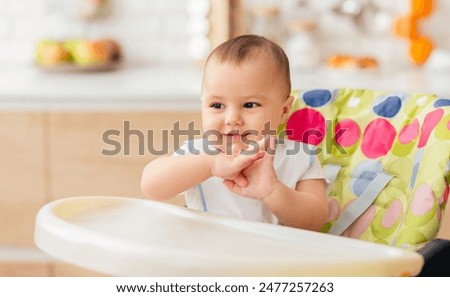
(244, 47)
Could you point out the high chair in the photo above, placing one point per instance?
(386, 157)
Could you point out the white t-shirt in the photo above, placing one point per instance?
(293, 162)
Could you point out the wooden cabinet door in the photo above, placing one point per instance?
(85, 159)
(23, 175)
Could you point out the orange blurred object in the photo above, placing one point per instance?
(346, 61)
(422, 8)
(342, 61)
(406, 26)
(367, 62)
(108, 49)
(420, 49)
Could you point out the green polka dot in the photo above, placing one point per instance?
(442, 129)
(416, 221)
(403, 150)
(402, 169)
(347, 110)
(433, 166)
(416, 103)
(410, 236)
(377, 228)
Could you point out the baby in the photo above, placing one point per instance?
(239, 168)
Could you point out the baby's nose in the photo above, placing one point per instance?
(233, 117)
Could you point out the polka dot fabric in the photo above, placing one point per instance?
(367, 132)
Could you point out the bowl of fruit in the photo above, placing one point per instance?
(78, 55)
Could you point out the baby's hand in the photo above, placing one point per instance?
(230, 166)
(260, 175)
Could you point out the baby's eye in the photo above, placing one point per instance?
(250, 105)
(217, 105)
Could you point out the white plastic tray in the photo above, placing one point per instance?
(133, 237)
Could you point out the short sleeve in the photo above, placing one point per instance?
(190, 147)
(315, 170)
(182, 150)
(193, 147)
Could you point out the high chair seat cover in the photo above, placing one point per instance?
(134, 237)
(362, 135)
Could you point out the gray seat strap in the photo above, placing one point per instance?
(357, 208)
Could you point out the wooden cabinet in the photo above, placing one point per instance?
(23, 175)
(52, 155)
(24, 269)
(95, 153)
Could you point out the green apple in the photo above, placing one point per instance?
(85, 52)
(50, 52)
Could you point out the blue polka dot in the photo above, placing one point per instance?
(416, 163)
(389, 107)
(317, 98)
(442, 103)
(363, 181)
(363, 174)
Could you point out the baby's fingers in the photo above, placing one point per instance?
(232, 186)
(229, 184)
(241, 181)
(236, 149)
(245, 160)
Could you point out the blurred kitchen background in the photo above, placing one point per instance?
(172, 31)
(53, 116)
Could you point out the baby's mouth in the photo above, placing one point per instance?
(235, 136)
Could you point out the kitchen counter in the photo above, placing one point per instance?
(400, 80)
(130, 87)
(154, 87)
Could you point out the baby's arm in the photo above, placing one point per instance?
(168, 176)
(305, 207)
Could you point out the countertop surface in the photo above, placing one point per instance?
(129, 87)
(170, 88)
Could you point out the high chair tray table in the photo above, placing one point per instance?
(135, 237)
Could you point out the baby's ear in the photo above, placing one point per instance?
(287, 107)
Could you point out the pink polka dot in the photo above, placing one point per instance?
(422, 201)
(378, 138)
(431, 120)
(361, 224)
(392, 214)
(306, 125)
(347, 132)
(448, 125)
(409, 132)
(333, 206)
(446, 193)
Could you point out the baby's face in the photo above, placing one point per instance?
(243, 102)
